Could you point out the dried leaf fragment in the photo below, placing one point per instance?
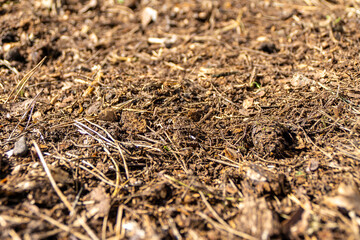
(147, 15)
(347, 197)
(101, 205)
(248, 103)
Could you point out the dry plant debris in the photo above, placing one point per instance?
(179, 119)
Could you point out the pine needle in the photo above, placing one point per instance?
(20, 86)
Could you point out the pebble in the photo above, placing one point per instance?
(108, 115)
(20, 148)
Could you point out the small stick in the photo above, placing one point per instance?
(207, 115)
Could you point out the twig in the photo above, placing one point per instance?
(206, 116)
(180, 183)
(227, 100)
(14, 235)
(86, 227)
(76, 200)
(99, 176)
(189, 187)
(103, 229)
(213, 212)
(340, 96)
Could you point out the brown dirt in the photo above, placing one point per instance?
(180, 119)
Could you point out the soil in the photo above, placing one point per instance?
(179, 119)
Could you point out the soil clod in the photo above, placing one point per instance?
(270, 139)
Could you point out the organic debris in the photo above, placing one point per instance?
(179, 119)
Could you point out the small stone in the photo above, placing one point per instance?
(20, 148)
(108, 115)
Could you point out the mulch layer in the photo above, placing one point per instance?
(137, 119)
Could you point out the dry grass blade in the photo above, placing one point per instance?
(191, 188)
(316, 146)
(8, 65)
(117, 181)
(82, 130)
(224, 162)
(112, 143)
(103, 229)
(225, 228)
(31, 108)
(60, 194)
(95, 172)
(119, 220)
(117, 147)
(62, 226)
(52, 181)
(20, 86)
(180, 183)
